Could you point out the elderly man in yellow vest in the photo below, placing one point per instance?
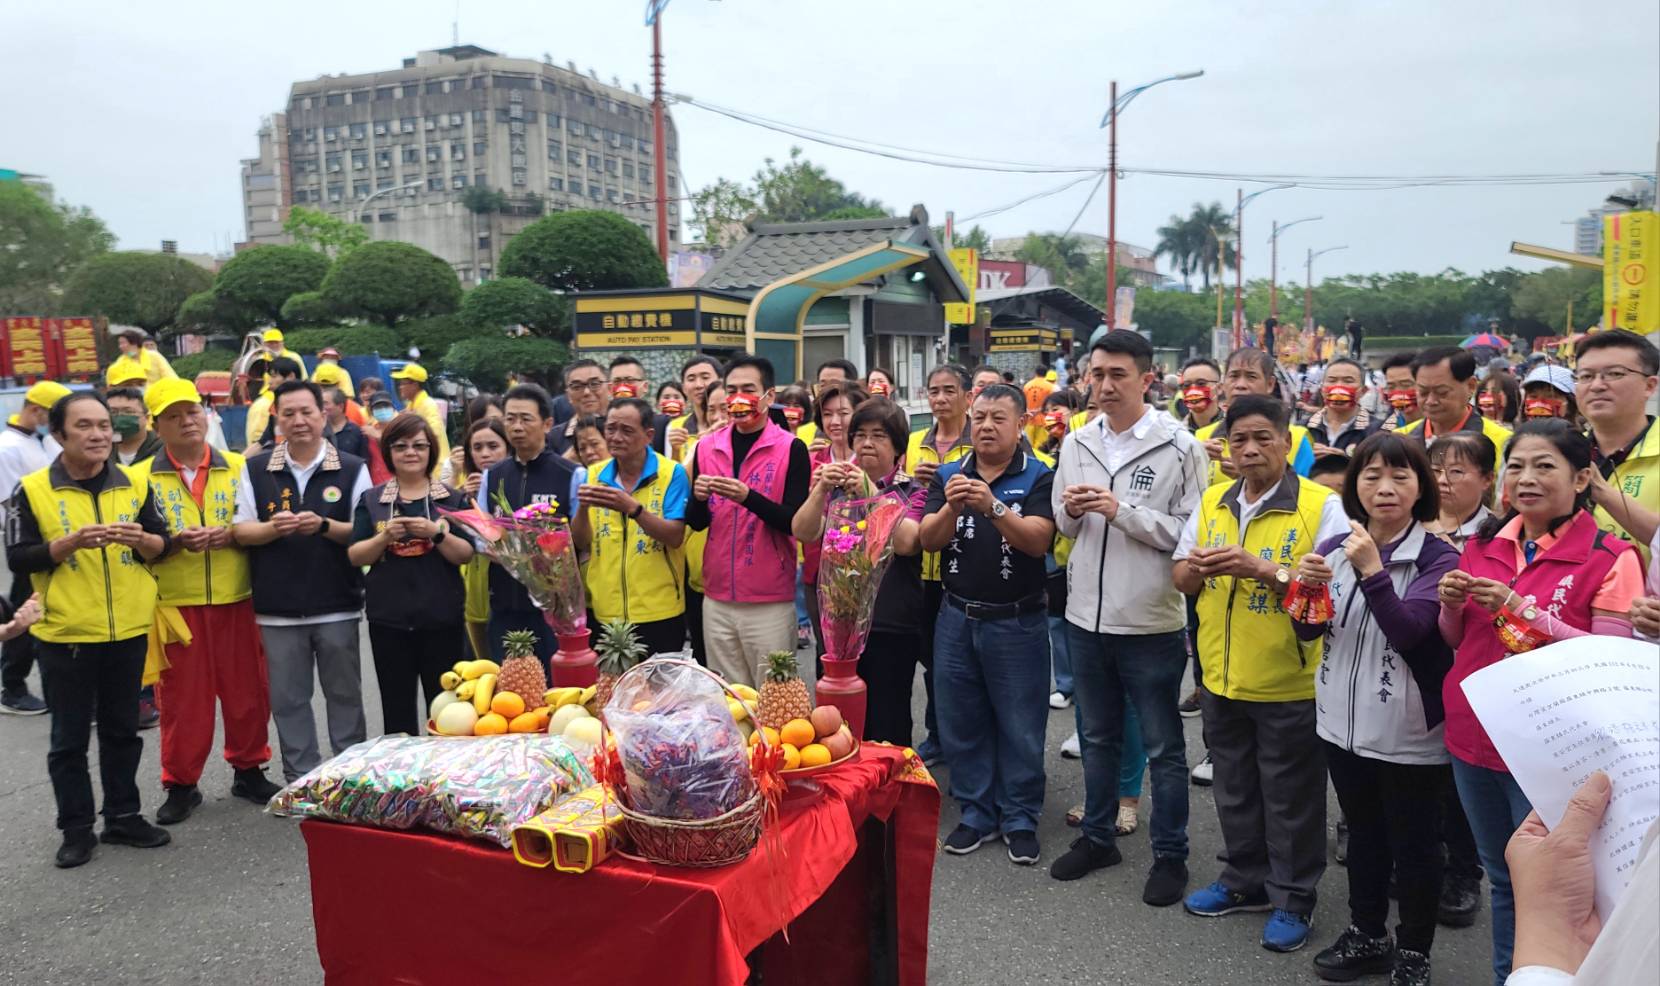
(275, 348)
(633, 520)
(82, 530)
(411, 382)
(206, 578)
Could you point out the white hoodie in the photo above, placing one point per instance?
(1118, 578)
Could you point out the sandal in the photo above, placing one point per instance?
(1075, 815)
(1127, 821)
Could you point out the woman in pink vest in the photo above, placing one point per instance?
(1541, 572)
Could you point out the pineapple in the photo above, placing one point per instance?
(783, 693)
(521, 670)
(619, 648)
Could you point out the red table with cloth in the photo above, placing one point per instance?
(409, 907)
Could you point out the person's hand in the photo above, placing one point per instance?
(1228, 559)
(472, 483)
(458, 461)
(307, 522)
(1603, 493)
(90, 536)
(704, 487)
(1554, 883)
(1313, 570)
(1228, 468)
(125, 533)
(1320, 450)
(1362, 551)
(1216, 449)
(1491, 595)
(1084, 498)
(820, 441)
(607, 497)
(732, 489)
(27, 615)
(677, 439)
(220, 537)
(1454, 589)
(963, 493)
(924, 472)
(194, 538)
(419, 528)
(1645, 616)
(284, 522)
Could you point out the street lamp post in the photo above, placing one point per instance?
(1274, 262)
(1110, 122)
(357, 210)
(1308, 287)
(1239, 258)
(654, 12)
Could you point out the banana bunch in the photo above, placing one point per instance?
(465, 672)
(556, 697)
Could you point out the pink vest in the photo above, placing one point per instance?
(745, 561)
(1562, 581)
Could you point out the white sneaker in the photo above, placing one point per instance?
(1203, 772)
(1073, 748)
(1058, 700)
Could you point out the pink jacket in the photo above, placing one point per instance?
(745, 561)
(1562, 581)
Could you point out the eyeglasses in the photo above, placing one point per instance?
(400, 447)
(1613, 374)
(1453, 475)
(636, 381)
(595, 384)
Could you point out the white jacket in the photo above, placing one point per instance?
(1118, 577)
(21, 453)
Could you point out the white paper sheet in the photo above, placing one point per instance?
(1559, 713)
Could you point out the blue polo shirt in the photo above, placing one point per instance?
(978, 564)
(674, 498)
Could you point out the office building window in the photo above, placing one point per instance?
(548, 86)
(628, 169)
(455, 119)
(611, 195)
(335, 99)
(311, 134)
(358, 130)
(300, 195)
(593, 162)
(484, 241)
(407, 124)
(383, 159)
(332, 162)
(573, 158)
(645, 146)
(479, 147)
(645, 175)
(360, 189)
(305, 165)
(576, 187)
(384, 184)
(556, 184)
(305, 104)
(388, 217)
(673, 181)
(553, 121)
(434, 153)
(594, 191)
(360, 160)
(574, 126)
(434, 87)
(589, 99)
(458, 181)
(435, 183)
(336, 192)
(385, 92)
(458, 152)
(331, 133)
(367, 217)
(554, 150)
(481, 116)
(513, 82)
(412, 155)
(476, 82)
(611, 165)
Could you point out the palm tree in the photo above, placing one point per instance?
(1215, 225)
(1176, 241)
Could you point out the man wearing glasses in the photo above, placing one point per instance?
(628, 380)
(586, 389)
(1614, 380)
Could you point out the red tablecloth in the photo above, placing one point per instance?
(406, 908)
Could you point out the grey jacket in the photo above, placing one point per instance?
(1118, 576)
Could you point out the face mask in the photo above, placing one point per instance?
(43, 430)
(671, 406)
(1544, 407)
(878, 390)
(741, 406)
(126, 425)
(1198, 396)
(1055, 422)
(623, 390)
(792, 414)
(1402, 400)
(384, 413)
(1488, 401)
(1340, 395)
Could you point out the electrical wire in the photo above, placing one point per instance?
(1030, 198)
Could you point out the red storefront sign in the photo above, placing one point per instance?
(76, 340)
(26, 353)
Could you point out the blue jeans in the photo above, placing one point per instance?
(991, 680)
(1110, 671)
(1496, 808)
(1059, 656)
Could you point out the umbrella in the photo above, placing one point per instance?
(1487, 339)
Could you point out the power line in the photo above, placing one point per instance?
(1031, 198)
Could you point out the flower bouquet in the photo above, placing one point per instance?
(857, 546)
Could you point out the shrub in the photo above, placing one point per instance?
(487, 362)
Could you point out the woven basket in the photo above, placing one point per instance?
(703, 842)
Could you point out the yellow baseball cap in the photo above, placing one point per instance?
(163, 394)
(272, 335)
(1051, 376)
(46, 393)
(125, 371)
(411, 371)
(326, 374)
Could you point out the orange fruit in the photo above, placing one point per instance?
(508, 705)
(490, 724)
(815, 755)
(792, 757)
(526, 722)
(772, 736)
(798, 732)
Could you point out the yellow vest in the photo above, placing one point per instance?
(1247, 646)
(198, 578)
(155, 365)
(475, 579)
(426, 407)
(1638, 477)
(632, 575)
(921, 449)
(1299, 435)
(807, 433)
(695, 541)
(96, 595)
(1496, 433)
(259, 413)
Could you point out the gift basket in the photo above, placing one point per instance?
(691, 790)
(478, 790)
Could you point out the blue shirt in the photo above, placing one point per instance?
(977, 563)
(674, 498)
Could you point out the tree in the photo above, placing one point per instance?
(434, 336)
(189, 366)
(207, 313)
(516, 301)
(975, 237)
(132, 288)
(387, 281)
(41, 244)
(487, 362)
(351, 340)
(720, 211)
(1175, 319)
(584, 250)
(1540, 300)
(801, 191)
(326, 234)
(1211, 228)
(1178, 242)
(307, 308)
(260, 280)
(1062, 256)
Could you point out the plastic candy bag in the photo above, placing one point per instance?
(682, 754)
(478, 788)
(1309, 602)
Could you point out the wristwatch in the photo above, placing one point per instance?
(323, 528)
(998, 508)
(639, 508)
(439, 537)
(1281, 579)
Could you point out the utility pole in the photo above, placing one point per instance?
(660, 155)
(1112, 209)
(1239, 267)
(1308, 293)
(1273, 272)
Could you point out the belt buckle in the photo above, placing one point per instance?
(973, 610)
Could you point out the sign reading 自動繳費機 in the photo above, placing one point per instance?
(657, 319)
(1021, 340)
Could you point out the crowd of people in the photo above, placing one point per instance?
(1448, 514)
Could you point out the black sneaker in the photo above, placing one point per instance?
(251, 784)
(1085, 857)
(1460, 900)
(133, 830)
(1189, 707)
(1023, 847)
(182, 799)
(76, 849)
(1355, 954)
(1166, 883)
(1411, 969)
(1340, 852)
(964, 840)
(22, 703)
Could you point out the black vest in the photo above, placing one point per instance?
(413, 587)
(304, 575)
(545, 478)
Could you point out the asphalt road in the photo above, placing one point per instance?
(229, 900)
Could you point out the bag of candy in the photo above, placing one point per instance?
(682, 755)
(1309, 602)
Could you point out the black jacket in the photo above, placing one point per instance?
(544, 479)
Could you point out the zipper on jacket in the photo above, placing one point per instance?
(104, 553)
(1112, 484)
(1354, 664)
(623, 571)
(207, 556)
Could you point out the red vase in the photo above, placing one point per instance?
(842, 687)
(574, 665)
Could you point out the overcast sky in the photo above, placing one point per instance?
(143, 111)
